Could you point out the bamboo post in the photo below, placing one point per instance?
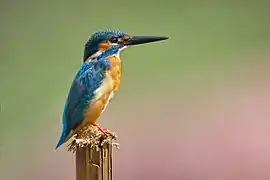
(93, 152)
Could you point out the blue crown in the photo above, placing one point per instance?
(93, 42)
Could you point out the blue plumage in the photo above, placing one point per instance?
(89, 77)
(87, 80)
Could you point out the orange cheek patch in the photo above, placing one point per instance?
(104, 46)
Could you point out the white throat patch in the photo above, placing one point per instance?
(95, 55)
(98, 53)
(118, 53)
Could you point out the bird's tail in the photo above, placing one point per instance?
(63, 137)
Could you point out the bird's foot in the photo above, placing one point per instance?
(105, 131)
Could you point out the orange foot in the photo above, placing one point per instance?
(104, 131)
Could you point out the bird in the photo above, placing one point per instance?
(97, 81)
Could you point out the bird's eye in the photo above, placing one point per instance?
(114, 40)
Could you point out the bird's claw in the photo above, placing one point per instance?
(108, 133)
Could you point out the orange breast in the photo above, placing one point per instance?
(115, 71)
(105, 93)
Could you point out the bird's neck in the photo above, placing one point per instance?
(111, 51)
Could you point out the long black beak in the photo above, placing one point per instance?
(134, 40)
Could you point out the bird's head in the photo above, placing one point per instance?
(102, 41)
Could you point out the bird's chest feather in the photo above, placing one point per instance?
(111, 80)
(104, 94)
(115, 72)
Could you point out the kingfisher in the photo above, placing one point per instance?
(97, 80)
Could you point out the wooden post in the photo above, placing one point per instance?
(93, 154)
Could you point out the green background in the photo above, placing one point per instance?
(193, 107)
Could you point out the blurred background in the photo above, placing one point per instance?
(195, 107)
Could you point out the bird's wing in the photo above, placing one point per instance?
(82, 91)
(88, 79)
